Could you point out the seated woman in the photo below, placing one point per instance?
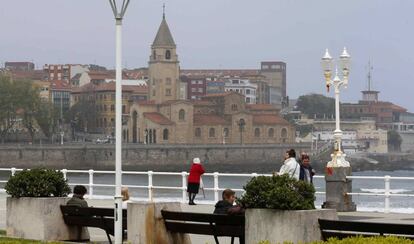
(125, 197)
(226, 206)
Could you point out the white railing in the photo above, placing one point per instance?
(216, 186)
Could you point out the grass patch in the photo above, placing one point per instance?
(5, 240)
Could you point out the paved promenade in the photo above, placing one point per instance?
(98, 235)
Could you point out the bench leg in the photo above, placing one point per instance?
(109, 237)
(232, 240)
(216, 239)
(241, 240)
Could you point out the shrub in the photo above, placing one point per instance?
(37, 183)
(278, 192)
(368, 240)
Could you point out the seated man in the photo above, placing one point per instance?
(77, 198)
(225, 206)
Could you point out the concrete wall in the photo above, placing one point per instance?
(38, 219)
(279, 226)
(146, 225)
(140, 157)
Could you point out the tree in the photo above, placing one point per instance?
(47, 118)
(30, 102)
(394, 141)
(84, 113)
(316, 105)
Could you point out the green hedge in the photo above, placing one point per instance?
(37, 183)
(278, 192)
(359, 240)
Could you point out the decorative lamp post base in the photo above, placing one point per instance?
(338, 160)
(337, 189)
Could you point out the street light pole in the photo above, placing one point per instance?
(338, 157)
(118, 14)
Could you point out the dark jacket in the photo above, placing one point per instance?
(77, 201)
(303, 170)
(224, 207)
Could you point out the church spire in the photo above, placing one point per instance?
(164, 37)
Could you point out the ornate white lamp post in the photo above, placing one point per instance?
(338, 157)
(119, 15)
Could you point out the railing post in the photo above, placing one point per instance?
(13, 171)
(184, 185)
(216, 186)
(64, 172)
(90, 183)
(387, 179)
(150, 173)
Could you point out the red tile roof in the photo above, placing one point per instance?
(268, 119)
(110, 86)
(209, 119)
(221, 94)
(219, 72)
(158, 118)
(260, 107)
(59, 85)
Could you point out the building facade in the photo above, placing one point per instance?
(19, 66)
(242, 86)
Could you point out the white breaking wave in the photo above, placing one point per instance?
(392, 191)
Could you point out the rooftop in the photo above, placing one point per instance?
(158, 118)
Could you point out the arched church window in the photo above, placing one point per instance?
(257, 132)
(181, 115)
(271, 132)
(154, 53)
(197, 132)
(165, 135)
(168, 54)
(212, 132)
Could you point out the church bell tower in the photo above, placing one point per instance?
(163, 83)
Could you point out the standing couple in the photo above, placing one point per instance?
(302, 171)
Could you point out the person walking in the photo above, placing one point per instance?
(306, 171)
(290, 165)
(194, 177)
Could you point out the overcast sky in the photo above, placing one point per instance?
(226, 34)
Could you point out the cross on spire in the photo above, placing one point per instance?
(163, 11)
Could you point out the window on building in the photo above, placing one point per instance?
(193, 82)
(257, 132)
(193, 89)
(234, 107)
(247, 91)
(153, 93)
(112, 108)
(113, 97)
(112, 122)
(105, 123)
(197, 132)
(226, 132)
(181, 115)
(200, 89)
(104, 97)
(154, 53)
(105, 108)
(168, 54)
(248, 100)
(165, 135)
(123, 109)
(271, 132)
(168, 92)
(168, 81)
(211, 132)
(283, 134)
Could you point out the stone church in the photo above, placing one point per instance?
(215, 119)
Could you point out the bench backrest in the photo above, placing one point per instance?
(339, 228)
(204, 224)
(92, 217)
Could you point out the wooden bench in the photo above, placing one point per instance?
(342, 229)
(102, 218)
(205, 224)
